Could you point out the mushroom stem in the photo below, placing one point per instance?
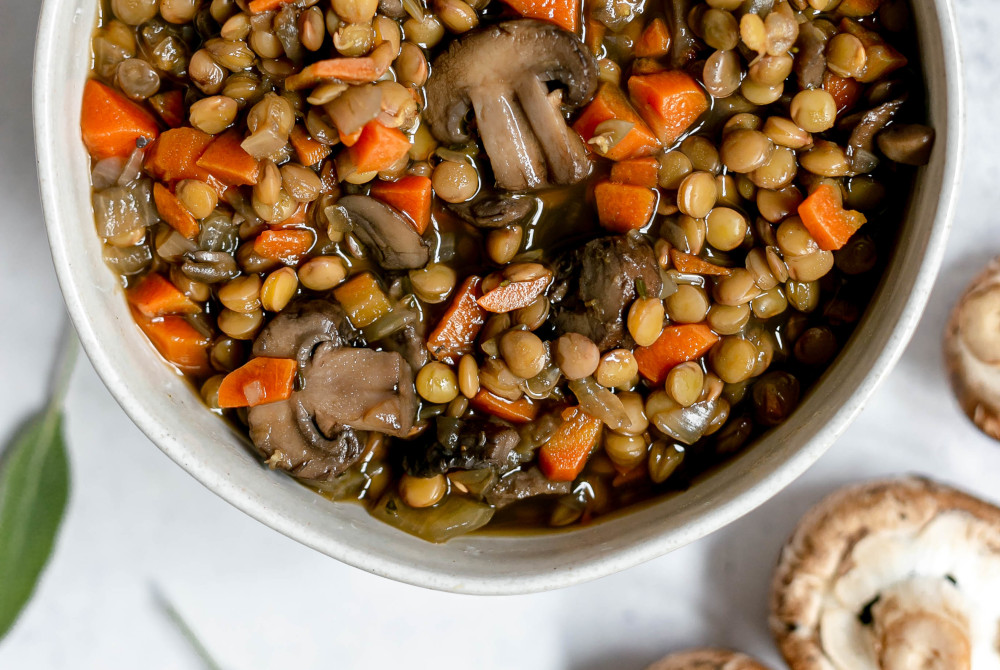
(919, 624)
(567, 156)
(502, 125)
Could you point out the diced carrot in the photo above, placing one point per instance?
(174, 155)
(309, 151)
(654, 40)
(827, 221)
(154, 295)
(611, 103)
(177, 341)
(227, 161)
(845, 91)
(624, 207)
(858, 8)
(170, 107)
(636, 474)
(459, 327)
(378, 148)
(174, 213)
(647, 66)
(511, 295)
(638, 172)
(358, 70)
(349, 140)
(675, 345)
(563, 13)
(563, 456)
(363, 299)
(260, 380)
(670, 102)
(288, 245)
(693, 265)
(880, 57)
(111, 123)
(411, 195)
(522, 410)
(258, 6)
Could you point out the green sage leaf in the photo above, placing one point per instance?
(34, 487)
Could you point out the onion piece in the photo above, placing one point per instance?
(106, 172)
(128, 260)
(265, 142)
(455, 515)
(686, 424)
(132, 168)
(600, 403)
(391, 323)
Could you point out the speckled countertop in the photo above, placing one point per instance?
(136, 522)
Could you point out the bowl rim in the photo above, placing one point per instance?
(751, 496)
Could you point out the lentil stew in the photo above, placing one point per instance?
(501, 264)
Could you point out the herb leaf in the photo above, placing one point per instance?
(34, 487)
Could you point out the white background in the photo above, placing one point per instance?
(137, 523)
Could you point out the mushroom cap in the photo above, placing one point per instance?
(898, 574)
(503, 54)
(393, 243)
(707, 659)
(972, 350)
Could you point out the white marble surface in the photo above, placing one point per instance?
(136, 522)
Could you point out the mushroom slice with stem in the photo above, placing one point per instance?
(861, 146)
(503, 74)
(898, 574)
(972, 350)
(393, 243)
(342, 390)
(707, 659)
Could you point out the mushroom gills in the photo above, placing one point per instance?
(392, 242)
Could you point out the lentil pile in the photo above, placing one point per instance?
(510, 263)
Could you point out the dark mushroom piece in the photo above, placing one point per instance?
(810, 62)
(210, 267)
(313, 434)
(683, 43)
(502, 74)
(461, 444)
(596, 284)
(392, 242)
(524, 484)
(909, 144)
(861, 146)
(494, 210)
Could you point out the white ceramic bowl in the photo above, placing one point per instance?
(173, 417)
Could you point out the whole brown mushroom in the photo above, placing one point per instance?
(502, 73)
(898, 574)
(707, 659)
(972, 350)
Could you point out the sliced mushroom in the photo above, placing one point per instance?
(861, 146)
(910, 144)
(392, 242)
(502, 74)
(461, 444)
(683, 43)
(810, 62)
(300, 328)
(524, 484)
(595, 285)
(494, 210)
(972, 350)
(707, 659)
(890, 575)
(313, 434)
